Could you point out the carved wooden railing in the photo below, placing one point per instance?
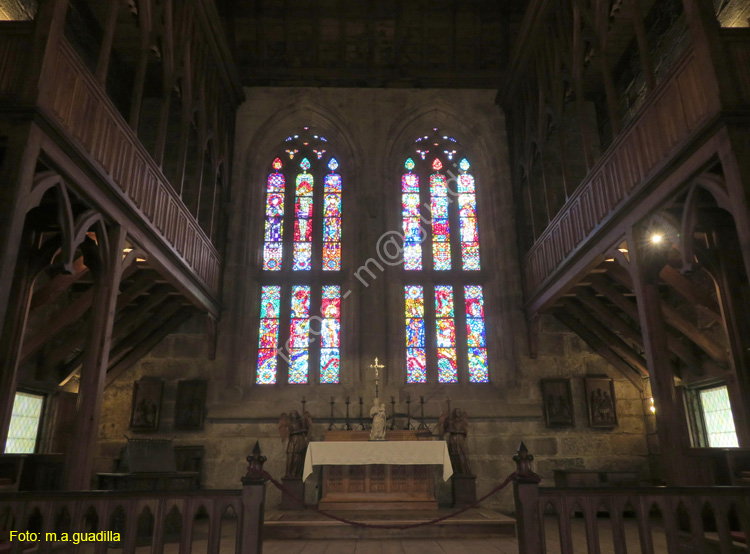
(697, 520)
(80, 105)
(678, 106)
(15, 46)
(56, 520)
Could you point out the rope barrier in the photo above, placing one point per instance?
(267, 476)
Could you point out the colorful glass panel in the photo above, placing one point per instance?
(330, 331)
(467, 214)
(447, 367)
(332, 256)
(274, 229)
(268, 335)
(410, 218)
(416, 359)
(441, 233)
(476, 339)
(445, 334)
(303, 223)
(299, 333)
(332, 219)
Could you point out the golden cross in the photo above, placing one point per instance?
(376, 366)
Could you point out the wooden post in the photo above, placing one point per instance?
(80, 459)
(645, 266)
(526, 496)
(253, 504)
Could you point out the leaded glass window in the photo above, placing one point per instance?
(717, 417)
(297, 343)
(24, 423)
(446, 274)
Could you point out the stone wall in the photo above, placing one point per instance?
(371, 131)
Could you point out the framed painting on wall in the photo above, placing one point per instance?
(558, 402)
(146, 405)
(190, 406)
(600, 402)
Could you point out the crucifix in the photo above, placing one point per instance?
(377, 367)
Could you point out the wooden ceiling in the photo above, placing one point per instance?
(372, 43)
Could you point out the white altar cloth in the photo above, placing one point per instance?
(357, 453)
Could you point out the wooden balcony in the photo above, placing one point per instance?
(79, 105)
(674, 116)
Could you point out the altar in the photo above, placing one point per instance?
(370, 475)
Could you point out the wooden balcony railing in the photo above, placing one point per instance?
(666, 122)
(80, 105)
(15, 46)
(697, 520)
(189, 520)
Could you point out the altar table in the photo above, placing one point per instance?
(378, 474)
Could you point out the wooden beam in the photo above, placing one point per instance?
(691, 293)
(73, 312)
(615, 343)
(142, 333)
(679, 349)
(600, 347)
(76, 340)
(57, 285)
(148, 344)
(673, 318)
(138, 316)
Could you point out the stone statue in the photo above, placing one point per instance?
(377, 413)
(294, 427)
(456, 424)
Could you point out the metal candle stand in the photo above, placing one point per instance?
(347, 427)
(393, 413)
(421, 417)
(408, 412)
(361, 419)
(330, 425)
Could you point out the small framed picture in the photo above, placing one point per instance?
(190, 406)
(558, 402)
(600, 402)
(146, 405)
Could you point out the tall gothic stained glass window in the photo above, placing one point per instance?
(308, 257)
(270, 308)
(416, 357)
(273, 247)
(452, 277)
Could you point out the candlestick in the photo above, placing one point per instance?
(421, 407)
(304, 402)
(347, 427)
(408, 412)
(361, 419)
(330, 425)
(393, 413)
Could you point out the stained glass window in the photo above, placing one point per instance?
(272, 246)
(332, 219)
(330, 329)
(452, 203)
(24, 423)
(416, 355)
(412, 227)
(476, 341)
(299, 335)
(303, 208)
(268, 336)
(445, 330)
(441, 234)
(467, 212)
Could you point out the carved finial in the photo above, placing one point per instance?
(254, 466)
(523, 464)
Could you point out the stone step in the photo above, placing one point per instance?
(307, 524)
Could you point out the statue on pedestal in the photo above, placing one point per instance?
(294, 427)
(377, 413)
(456, 424)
